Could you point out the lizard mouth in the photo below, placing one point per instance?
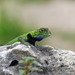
(49, 33)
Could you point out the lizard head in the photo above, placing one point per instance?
(41, 33)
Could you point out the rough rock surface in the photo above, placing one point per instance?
(52, 61)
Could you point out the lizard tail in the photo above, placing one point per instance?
(1, 44)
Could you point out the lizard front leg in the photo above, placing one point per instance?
(23, 41)
(30, 40)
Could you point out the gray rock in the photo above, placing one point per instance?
(51, 60)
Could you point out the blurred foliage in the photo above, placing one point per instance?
(27, 1)
(10, 29)
(33, 0)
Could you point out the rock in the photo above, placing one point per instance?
(51, 60)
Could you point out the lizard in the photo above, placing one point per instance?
(32, 37)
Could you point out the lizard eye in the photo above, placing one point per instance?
(41, 30)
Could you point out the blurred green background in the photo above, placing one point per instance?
(21, 16)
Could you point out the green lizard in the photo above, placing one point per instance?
(32, 36)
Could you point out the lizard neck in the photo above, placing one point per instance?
(38, 38)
